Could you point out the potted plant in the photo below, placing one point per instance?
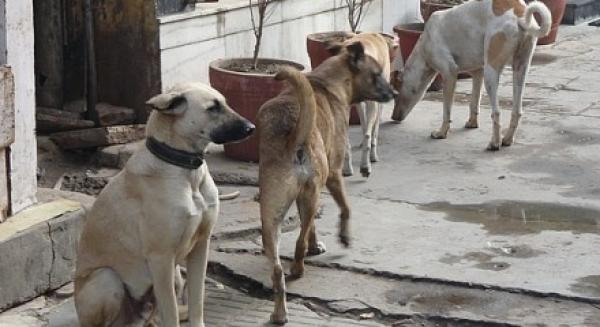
(428, 7)
(317, 43)
(247, 83)
(408, 35)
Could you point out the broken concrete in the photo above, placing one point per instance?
(110, 115)
(37, 250)
(345, 291)
(50, 120)
(101, 136)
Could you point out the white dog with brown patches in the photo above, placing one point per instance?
(479, 37)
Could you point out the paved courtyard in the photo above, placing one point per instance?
(444, 232)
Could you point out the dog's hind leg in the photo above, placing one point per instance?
(274, 204)
(473, 121)
(335, 185)
(492, 79)
(308, 204)
(100, 300)
(521, 62)
(449, 87)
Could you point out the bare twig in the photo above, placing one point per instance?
(258, 27)
(356, 12)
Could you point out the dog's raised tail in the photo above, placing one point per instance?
(529, 24)
(308, 104)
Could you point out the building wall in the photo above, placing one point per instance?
(19, 55)
(190, 41)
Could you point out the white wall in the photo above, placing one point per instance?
(400, 12)
(19, 46)
(190, 41)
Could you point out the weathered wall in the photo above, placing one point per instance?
(19, 55)
(7, 136)
(189, 41)
(127, 53)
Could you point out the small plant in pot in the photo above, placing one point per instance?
(247, 83)
(317, 43)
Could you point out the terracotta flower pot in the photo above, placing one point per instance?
(245, 93)
(409, 34)
(428, 8)
(557, 9)
(316, 45)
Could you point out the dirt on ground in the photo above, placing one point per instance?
(261, 68)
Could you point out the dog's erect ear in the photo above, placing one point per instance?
(356, 52)
(168, 103)
(334, 48)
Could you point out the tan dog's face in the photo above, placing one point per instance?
(200, 115)
(368, 81)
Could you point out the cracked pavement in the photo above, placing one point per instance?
(444, 233)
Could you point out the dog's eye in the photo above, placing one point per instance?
(216, 107)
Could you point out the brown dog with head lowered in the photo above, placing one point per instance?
(302, 137)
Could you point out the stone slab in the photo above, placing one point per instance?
(38, 254)
(101, 136)
(109, 115)
(224, 307)
(344, 291)
(50, 120)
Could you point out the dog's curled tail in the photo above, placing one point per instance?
(529, 24)
(308, 105)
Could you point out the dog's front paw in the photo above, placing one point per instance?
(493, 146)
(279, 319)
(347, 171)
(374, 156)
(439, 134)
(508, 141)
(365, 171)
(317, 249)
(472, 123)
(296, 272)
(345, 239)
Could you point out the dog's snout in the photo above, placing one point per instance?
(233, 131)
(249, 129)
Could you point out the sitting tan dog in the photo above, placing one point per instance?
(478, 37)
(302, 138)
(156, 213)
(377, 47)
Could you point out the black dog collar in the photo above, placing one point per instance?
(174, 156)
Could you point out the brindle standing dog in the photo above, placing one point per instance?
(302, 135)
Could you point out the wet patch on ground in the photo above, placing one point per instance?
(519, 218)
(589, 285)
(543, 59)
(488, 260)
(579, 138)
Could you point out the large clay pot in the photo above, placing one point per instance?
(557, 9)
(408, 35)
(428, 8)
(245, 93)
(316, 45)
